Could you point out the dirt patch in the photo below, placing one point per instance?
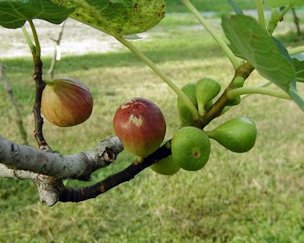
(77, 39)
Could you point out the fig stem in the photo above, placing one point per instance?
(276, 17)
(257, 90)
(162, 75)
(29, 40)
(36, 40)
(261, 15)
(216, 110)
(233, 59)
(40, 85)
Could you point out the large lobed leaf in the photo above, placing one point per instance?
(13, 14)
(268, 56)
(117, 17)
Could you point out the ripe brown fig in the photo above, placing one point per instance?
(66, 102)
(140, 125)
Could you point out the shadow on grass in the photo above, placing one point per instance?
(118, 59)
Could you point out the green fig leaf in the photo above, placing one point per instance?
(299, 67)
(14, 14)
(117, 17)
(266, 54)
(280, 3)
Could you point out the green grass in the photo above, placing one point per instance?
(214, 5)
(252, 197)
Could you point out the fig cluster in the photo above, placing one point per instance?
(201, 94)
(191, 145)
(141, 126)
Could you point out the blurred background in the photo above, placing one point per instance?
(253, 197)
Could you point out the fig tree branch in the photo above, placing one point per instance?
(40, 85)
(47, 169)
(82, 194)
(77, 166)
(47, 186)
(17, 174)
(243, 71)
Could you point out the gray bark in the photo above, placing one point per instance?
(80, 165)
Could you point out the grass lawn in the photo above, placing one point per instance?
(252, 197)
(214, 5)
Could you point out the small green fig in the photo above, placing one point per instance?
(190, 148)
(140, 125)
(166, 166)
(237, 135)
(234, 101)
(238, 82)
(185, 114)
(66, 102)
(206, 90)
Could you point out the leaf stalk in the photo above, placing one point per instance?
(233, 59)
(257, 90)
(161, 74)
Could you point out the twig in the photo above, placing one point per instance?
(55, 55)
(243, 71)
(296, 21)
(40, 85)
(17, 116)
(82, 194)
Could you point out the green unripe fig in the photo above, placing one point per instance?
(166, 166)
(190, 148)
(206, 90)
(66, 102)
(185, 114)
(234, 101)
(237, 135)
